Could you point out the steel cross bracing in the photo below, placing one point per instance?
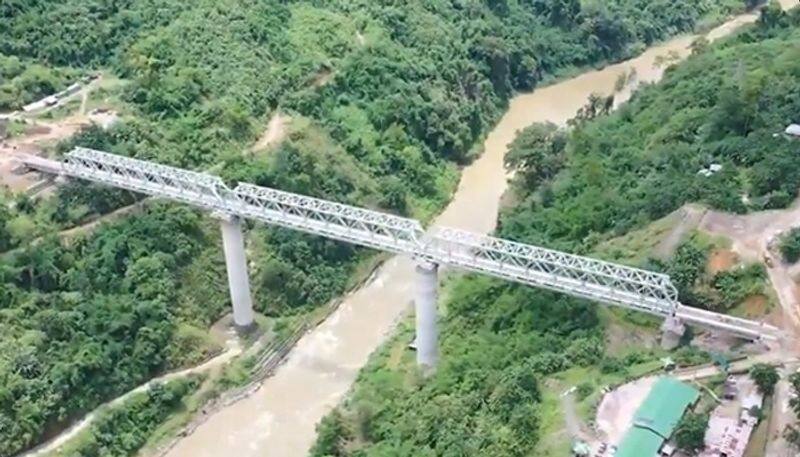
(198, 189)
(341, 222)
(333, 220)
(575, 275)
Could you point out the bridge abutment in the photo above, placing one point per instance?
(672, 331)
(236, 263)
(426, 294)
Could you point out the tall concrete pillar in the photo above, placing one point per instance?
(672, 331)
(425, 308)
(236, 262)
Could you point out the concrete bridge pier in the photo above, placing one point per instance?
(672, 331)
(236, 263)
(425, 297)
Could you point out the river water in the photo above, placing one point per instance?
(279, 420)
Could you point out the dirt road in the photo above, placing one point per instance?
(33, 142)
(276, 130)
(617, 408)
(750, 235)
(233, 349)
(688, 219)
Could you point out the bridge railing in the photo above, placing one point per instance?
(312, 215)
(730, 324)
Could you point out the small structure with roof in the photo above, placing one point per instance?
(657, 418)
(729, 429)
(793, 130)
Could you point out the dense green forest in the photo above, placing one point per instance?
(503, 343)
(644, 161)
(23, 81)
(87, 322)
(386, 99)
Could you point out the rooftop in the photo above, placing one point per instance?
(664, 406)
(657, 417)
(639, 442)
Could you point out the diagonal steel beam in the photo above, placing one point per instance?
(575, 275)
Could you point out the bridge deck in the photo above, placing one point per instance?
(583, 277)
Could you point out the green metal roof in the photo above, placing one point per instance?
(664, 406)
(639, 442)
(656, 418)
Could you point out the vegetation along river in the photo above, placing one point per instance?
(280, 418)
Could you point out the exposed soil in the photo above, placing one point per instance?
(755, 306)
(687, 219)
(576, 428)
(620, 337)
(617, 408)
(274, 133)
(721, 260)
(323, 77)
(751, 236)
(36, 137)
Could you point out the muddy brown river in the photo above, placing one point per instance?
(279, 419)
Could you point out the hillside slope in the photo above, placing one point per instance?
(508, 349)
(387, 100)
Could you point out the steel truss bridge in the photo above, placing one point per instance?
(574, 275)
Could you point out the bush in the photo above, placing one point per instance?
(790, 245)
(124, 429)
(765, 376)
(691, 430)
(584, 389)
(740, 283)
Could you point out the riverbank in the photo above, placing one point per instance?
(282, 415)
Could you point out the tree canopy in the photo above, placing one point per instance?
(609, 173)
(765, 376)
(386, 100)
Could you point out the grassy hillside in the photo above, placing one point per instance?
(508, 351)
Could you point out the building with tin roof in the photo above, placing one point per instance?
(657, 418)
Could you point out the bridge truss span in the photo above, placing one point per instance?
(333, 220)
(197, 189)
(575, 275)
(299, 212)
(572, 274)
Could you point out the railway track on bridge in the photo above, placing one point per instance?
(579, 276)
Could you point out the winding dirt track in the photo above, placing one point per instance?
(751, 235)
(233, 349)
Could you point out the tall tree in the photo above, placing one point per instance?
(765, 376)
